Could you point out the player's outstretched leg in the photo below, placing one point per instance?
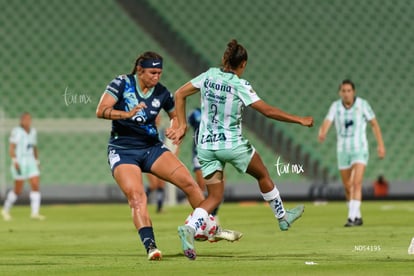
(186, 234)
(291, 216)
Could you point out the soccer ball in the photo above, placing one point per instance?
(206, 231)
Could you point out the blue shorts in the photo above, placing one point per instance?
(143, 158)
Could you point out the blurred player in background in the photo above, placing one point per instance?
(223, 97)
(381, 187)
(194, 120)
(25, 166)
(133, 102)
(351, 114)
(158, 185)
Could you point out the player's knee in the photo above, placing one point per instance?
(18, 191)
(137, 201)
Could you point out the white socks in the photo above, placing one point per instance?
(10, 200)
(275, 202)
(354, 209)
(35, 202)
(35, 199)
(198, 218)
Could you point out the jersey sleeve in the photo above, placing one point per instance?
(14, 136)
(116, 87)
(198, 81)
(367, 111)
(169, 104)
(331, 113)
(246, 93)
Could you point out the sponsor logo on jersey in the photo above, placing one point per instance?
(156, 103)
(212, 138)
(217, 86)
(348, 123)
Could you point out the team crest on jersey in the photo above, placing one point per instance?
(156, 103)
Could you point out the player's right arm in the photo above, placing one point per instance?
(323, 130)
(12, 152)
(109, 98)
(105, 109)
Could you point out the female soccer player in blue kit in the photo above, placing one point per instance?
(133, 102)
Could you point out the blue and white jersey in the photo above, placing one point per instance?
(194, 120)
(140, 131)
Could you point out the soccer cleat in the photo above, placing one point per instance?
(349, 223)
(226, 234)
(290, 217)
(186, 234)
(358, 222)
(6, 215)
(355, 222)
(37, 217)
(154, 254)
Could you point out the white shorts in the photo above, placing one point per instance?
(28, 169)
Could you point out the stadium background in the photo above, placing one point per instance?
(57, 56)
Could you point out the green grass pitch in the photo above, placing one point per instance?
(101, 240)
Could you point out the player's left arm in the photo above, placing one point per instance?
(170, 131)
(180, 106)
(36, 155)
(280, 115)
(378, 136)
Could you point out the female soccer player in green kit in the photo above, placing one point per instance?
(351, 114)
(223, 97)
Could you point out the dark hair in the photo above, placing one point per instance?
(234, 55)
(25, 113)
(347, 81)
(145, 56)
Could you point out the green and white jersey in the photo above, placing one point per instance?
(24, 143)
(223, 98)
(351, 124)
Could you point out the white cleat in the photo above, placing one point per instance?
(226, 234)
(37, 217)
(154, 254)
(6, 215)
